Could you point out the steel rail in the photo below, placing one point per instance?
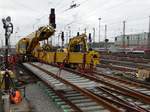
(127, 63)
(95, 98)
(124, 94)
(122, 80)
(127, 107)
(123, 102)
(120, 68)
(135, 59)
(134, 83)
(130, 92)
(58, 93)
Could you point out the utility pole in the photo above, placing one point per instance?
(105, 37)
(105, 32)
(148, 44)
(99, 30)
(69, 28)
(66, 37)
(123, 40)
(94, 35)
(59, 34)
(85, 30)
(2, 43)
(138, 40)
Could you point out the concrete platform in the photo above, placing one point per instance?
(1, 105)
(21, 107)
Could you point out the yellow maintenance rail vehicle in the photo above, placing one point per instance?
(77, 53)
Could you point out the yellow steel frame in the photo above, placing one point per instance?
(70, 58)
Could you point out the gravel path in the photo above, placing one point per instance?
(39, 100)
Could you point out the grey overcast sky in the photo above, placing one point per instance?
(28, 15)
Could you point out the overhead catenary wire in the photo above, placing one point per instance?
(64, 4)
(46, 14)
(107, 9)
(118, 20)
(119, 4)
(56, 9)
(24, 6)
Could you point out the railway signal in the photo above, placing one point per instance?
(8, 26)
(78, 33)
(52, 20)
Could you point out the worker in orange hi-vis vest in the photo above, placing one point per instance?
(15, 96)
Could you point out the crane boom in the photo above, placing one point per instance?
(41, 34)
(28, 43)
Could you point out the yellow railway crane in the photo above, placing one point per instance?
(78, 44)
(77, 53)
(26, 45)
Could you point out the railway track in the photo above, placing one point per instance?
(90, 93)
(118, 67)
(58, 83)
(124, 82)
(129, 88)
(129, 68)
(127, 73)
(126, 58)
(139, 89)
(125, 63)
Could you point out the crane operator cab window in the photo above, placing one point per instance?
(79, 48)
(23, 47)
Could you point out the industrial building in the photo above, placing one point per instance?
(134, 41)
